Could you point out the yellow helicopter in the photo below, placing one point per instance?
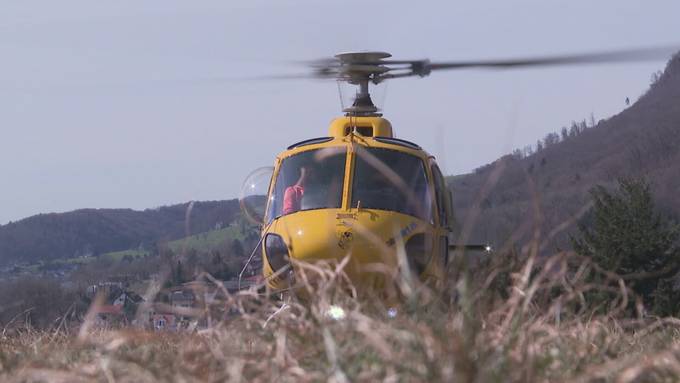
(360, 193)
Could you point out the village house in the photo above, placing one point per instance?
(109, 316)
(164, 322)
(118, 307)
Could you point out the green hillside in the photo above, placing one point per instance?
(236, 240)
(208, 241)
(87, 232)
(126, 254)
(205, 242)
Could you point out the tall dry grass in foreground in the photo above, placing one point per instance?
(505, 319)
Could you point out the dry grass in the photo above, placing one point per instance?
(540, 331)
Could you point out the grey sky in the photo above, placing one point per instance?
(115, 104)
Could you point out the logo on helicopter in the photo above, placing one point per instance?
(345, 239)
(402, 233)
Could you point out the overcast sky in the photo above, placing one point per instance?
(129, 104)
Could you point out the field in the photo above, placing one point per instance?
(202, 243)
(205, 242)
(535, 327)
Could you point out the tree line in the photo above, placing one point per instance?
(575, 129)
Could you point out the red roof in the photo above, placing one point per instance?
(110, 309)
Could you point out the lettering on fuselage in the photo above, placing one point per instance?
(345, 239)
(408, 229)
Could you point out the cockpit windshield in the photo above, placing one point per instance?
(310, 180)
(387, 179)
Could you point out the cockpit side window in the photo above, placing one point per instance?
(310, 180)
(441, 194)
(391, 180)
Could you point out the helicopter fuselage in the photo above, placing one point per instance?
(358, 193)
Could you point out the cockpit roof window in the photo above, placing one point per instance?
(311, 141)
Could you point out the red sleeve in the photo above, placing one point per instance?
(288, 197)
(291, 201)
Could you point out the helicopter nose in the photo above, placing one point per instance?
(326, 235)
(364, 264)
(314, 242)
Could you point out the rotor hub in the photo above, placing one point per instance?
(361, 68)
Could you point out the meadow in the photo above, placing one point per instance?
(511, 318)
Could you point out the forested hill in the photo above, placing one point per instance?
(642, 140)
(96, 231)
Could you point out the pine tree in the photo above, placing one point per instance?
(628, 237)
(178, 274)
(237, 248)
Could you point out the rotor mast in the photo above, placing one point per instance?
(363, 104)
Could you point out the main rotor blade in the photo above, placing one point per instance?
(630, 55)
(297, 76)
(282, 77)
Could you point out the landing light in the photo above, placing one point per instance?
(336, 313)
